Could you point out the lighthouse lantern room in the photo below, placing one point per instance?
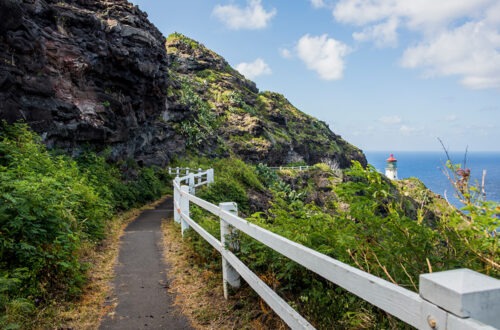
(391, 169)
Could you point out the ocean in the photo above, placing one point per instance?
(428, 167)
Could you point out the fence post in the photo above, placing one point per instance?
(177, 201)
(227, 232)
(184, 208)
(199, 176)
(210, 176)
(462, 292)
(191, 183)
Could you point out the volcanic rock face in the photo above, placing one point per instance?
(86, 73)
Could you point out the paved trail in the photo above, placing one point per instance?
(140, 278)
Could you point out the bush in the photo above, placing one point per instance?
(142, 186)
(233, 179)
(226, 191)
(47, 208)
(50, 205)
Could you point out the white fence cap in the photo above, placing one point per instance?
(465, 293)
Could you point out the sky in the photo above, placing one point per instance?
(384, 74)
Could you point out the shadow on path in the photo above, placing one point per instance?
(140, 284)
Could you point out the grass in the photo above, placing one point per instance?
(199, 293)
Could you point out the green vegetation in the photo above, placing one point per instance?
(479, 228)
(203, 124)
(51, 208)
(177, 37)
(393, 230)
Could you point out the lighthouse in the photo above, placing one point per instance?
(391, 170)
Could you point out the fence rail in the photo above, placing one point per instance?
(296, 168)
(183, 171)
(457, 299)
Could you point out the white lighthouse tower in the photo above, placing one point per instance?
(391, 170)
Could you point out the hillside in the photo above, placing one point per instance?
(97, 75)
(228, 111)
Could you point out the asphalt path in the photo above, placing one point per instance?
(141, 283)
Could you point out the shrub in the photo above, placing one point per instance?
(47, 208)
(50, 206)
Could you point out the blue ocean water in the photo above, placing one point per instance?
(428, 167)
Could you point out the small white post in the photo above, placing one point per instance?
(191, 183)
(462, 292)
(177, 171)
(177, 201)
(184, 208)
(229, 274)
(199, 175)
(210, 176)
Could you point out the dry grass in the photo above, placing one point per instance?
(86, 312)
(199, 293)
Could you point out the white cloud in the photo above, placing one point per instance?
(252, 17)
(254, 69)
(471, 51)
(451, 118)
(408, 130)
(323, 55)
(390, 120)
(318, 3)
(456, 37)
(383, 34)
(421, 14)
(285, 53)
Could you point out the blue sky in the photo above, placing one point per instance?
(384, 74)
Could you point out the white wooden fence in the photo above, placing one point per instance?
(456, 300)
(296, 168)
(183, 171)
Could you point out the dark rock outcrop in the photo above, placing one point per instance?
(90, 73)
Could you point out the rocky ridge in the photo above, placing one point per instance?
(257, 126)
(97, 74)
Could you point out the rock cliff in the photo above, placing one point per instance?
(85, 73)
(97, 74)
